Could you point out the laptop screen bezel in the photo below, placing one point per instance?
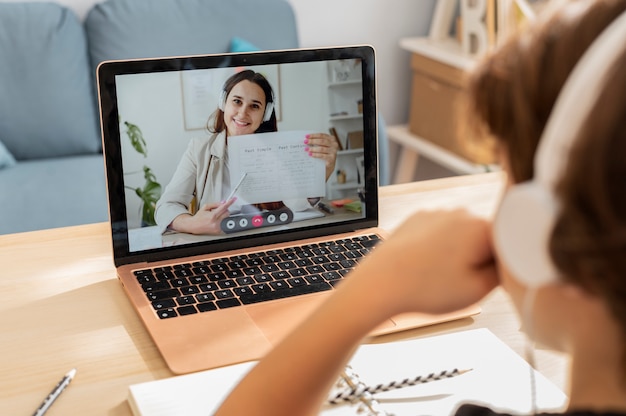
(111, 142)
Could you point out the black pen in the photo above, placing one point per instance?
(325, 208)
(56, 392)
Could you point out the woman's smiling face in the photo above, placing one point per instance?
(244, 109)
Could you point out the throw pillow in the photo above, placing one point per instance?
(238, 44)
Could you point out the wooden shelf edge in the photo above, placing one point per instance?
(401, 135)
(448, 51)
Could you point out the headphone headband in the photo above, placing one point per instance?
(576, 100)
(527, 214)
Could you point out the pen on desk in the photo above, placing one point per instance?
(56, 392)
(325, 207)
(236, 188)
(357, 391)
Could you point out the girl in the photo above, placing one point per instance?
(442, 261)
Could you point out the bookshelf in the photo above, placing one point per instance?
(344, 94)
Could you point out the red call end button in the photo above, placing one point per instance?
(257, 221)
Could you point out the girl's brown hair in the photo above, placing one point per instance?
(588, 244)
(511, 95)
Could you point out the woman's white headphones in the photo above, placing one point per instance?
(269, 105)
(528, 211)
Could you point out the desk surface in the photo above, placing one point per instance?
(63, 307)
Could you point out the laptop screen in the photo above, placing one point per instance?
(211, 153)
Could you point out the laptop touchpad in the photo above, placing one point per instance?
(277, 319)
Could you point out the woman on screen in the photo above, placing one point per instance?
(196, 199)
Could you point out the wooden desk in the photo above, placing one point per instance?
(63, 307)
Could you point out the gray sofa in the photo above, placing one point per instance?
(51, 166)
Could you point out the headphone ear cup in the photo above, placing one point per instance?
(269, 108)
(221, 104)
(522, 230)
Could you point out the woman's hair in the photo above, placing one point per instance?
(512, 90)
(511, 96)
(216, 122)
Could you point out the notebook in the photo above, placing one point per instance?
(498, 378)
(214, 298)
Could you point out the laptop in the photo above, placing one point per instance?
(210, 299)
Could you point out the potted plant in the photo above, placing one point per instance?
(150, 193)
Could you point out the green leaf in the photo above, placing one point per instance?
(149, 195)
(136, 138)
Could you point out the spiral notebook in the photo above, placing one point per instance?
(499, 378)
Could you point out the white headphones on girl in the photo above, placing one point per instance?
(528, 212)
(269, 105)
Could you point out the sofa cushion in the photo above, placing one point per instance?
(121, 29)
(6, 158)
(47, 102)
(51, 193)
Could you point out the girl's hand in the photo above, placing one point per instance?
(436, 262)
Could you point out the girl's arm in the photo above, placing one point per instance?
(437, 262)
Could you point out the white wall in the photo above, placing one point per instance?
(380, 23)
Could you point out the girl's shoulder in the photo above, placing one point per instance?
(475, 410)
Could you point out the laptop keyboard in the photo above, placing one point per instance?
(203, 286)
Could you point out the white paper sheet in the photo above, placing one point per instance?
(499, 378)
(277, 167)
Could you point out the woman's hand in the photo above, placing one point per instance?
(323, 146)
(206, 221)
